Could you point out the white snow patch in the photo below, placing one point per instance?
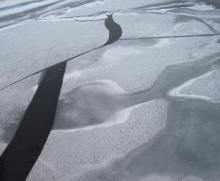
(119, 118)
(73, 75)
(177, 92)
(202, 7)
(161, 43)
(69, 18)
(117, 54)
(33, 89)
(2, 147)
(112, 84)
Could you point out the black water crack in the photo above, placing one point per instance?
(115, 33)
(114, 29)
(22, 152)
(122, 39)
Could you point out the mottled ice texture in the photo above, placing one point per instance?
(14, 102)
(135, 65)
(94, 104)
(116, 65)
(54, 41)
(167, 24)
(25, 6)
(99, 7)
(206, 87)
(167, 178)
(33, 46)
(109, 140)
(17, 12)
(72, 153)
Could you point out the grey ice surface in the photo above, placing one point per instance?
(137, 110)
(14, 102)
(196, 88)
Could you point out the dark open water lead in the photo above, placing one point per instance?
(23, 151)
(19, 157)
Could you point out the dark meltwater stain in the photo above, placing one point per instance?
(22, 152)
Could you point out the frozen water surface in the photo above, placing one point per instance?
(44, 44)
(204, 87)
(13, 103)
(145, 108)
